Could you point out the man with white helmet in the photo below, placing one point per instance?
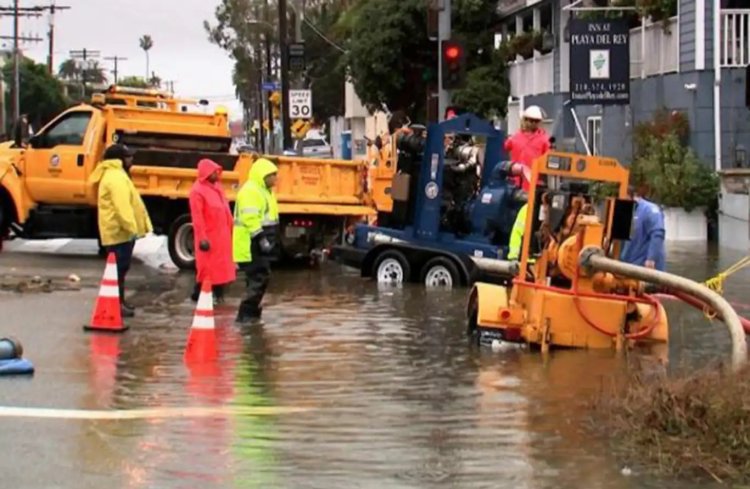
(529, 143)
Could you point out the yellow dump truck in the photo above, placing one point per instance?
(44, 191)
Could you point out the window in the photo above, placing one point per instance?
(310, 143)
(594, 134)
(70, 130)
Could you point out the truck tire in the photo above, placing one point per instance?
(180, 243)
(440, 272)
(392, 267)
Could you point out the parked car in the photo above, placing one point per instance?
(315, 146)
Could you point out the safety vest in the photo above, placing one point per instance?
(516, 235)
(255, 212)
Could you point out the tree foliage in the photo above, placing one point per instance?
(133, 82)
(42, 96)
(241, 28)
(391, 60)
(70, 70)
(389, 53)
(487, 89)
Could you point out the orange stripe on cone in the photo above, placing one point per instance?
(201, 344)
(107, 315)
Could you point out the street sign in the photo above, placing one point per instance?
(599, 62)
(271, 86)
(300, 128)
(300, 104)
(296, 53)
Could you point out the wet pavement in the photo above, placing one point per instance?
(394, 396)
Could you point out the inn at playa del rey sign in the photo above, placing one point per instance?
(599, 62)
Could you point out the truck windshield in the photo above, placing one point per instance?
(69, 130)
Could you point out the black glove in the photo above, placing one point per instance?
(265, 245)
(205, 245)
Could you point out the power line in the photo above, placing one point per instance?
(322, 36)
(115, 59)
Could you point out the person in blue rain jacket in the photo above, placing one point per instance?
(646, 246)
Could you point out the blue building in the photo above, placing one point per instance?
(686, 62)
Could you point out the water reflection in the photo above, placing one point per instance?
(398, 398)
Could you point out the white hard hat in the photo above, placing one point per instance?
(533, 112)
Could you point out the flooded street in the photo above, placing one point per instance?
(393, 395)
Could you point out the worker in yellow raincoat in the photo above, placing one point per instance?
(255, 237)
(123, 217)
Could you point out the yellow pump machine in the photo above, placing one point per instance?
(554, 300)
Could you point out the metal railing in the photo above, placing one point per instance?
(735, 37)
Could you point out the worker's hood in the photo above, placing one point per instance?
(260, 170)
(102, 167)
(206, 168)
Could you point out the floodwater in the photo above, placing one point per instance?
(394, 395)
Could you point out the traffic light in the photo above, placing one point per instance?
(452, 111)
(454, 64)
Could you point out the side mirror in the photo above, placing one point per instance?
(34, 141)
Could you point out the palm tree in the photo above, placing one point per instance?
(69, 70)
(95, 74)
(146, 44)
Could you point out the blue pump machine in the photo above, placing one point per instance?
(491, 211)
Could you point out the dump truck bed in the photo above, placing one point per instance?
(305, 186)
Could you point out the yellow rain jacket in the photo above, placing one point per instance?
(516, 235)
(122, 214)
(255, 211)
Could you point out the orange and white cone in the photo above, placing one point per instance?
(107, 315)
(201, 344)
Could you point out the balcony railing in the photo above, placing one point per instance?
(662, 53)
(532, 76)
(735, 37)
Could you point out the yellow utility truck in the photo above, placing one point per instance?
(44, 189)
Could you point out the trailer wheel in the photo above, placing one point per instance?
(440, 272)
(180, 243)
(392, 267)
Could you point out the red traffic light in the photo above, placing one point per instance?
(452, 52)
(452, 111)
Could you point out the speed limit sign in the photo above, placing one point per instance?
(300, 104)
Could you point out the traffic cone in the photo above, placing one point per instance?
(201, 344)
(107, 315)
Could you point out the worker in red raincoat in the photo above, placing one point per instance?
(529, 143)
(212, 227)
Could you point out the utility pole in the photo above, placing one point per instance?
(115, 59)
(53, 8)
(84, 55)
(269, 74)
(285, 124)
(16, 12)
(444, 34)
(16, 75)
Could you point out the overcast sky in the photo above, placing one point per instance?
(181, 49)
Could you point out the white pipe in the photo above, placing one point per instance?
(580, 131)
(717, 84)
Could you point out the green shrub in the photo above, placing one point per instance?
(671, 175)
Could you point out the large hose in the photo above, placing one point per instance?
(500, 267)
(593, 259)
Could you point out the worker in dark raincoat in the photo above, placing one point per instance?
(212, 229)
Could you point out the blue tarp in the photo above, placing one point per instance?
(16, 366)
